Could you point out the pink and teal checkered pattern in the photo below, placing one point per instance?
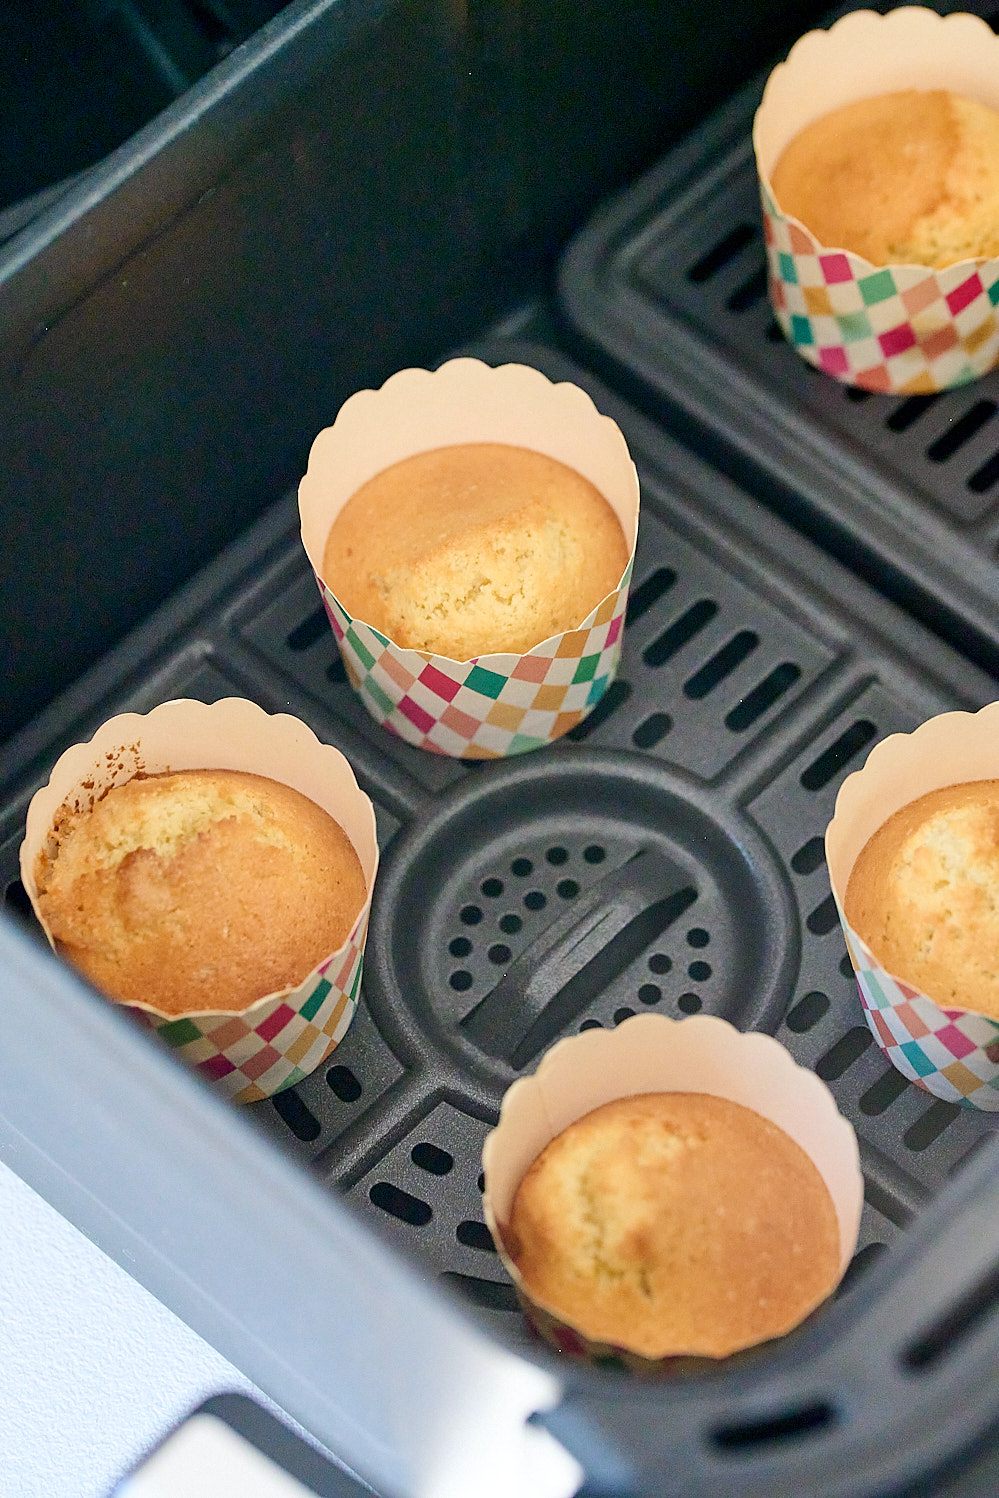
(490, 707)
(274, 1045)
(895, 329)
(952, 1053)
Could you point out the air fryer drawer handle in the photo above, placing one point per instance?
(577, 957)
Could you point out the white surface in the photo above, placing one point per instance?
(206, 1459)
(93, 1370)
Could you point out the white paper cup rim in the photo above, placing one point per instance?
(653, 1053)
(948, 749)
(864, 54)
(465, 400)
(230, 734)
(951, 748)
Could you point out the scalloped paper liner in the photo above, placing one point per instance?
(905, 329)
(952, 1053)
(652, 1053)
(251, 1053)
(492, 705)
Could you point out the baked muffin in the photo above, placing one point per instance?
(675, 1224)
(198, 890)
(924, 896)
(903, 178)
(477, 549)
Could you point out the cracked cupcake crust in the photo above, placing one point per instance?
(675, 1224)
(198, 890)
(924, 895)
(477, 549)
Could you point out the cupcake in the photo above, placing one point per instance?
(676, 1224)
(198, 889)
(210, 868)
(906, 178)
(876, 145)
(913, 857)
(923, 895)
(671, 1189)
(472, 532)
(476, 549)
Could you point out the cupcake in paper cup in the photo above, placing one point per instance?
(877, 147)
(671, 1191)
(913, 858)
(210, 868)
(472, 531)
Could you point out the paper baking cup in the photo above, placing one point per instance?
(652, 1053)
(251, 1053)
(492, 705)
(953, 1053)
(903, 329)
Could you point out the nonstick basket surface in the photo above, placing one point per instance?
(684, 817)
(668, 285)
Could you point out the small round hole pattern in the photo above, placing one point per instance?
(539, 882)
(587, 883)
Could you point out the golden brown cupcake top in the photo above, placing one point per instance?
(476, 549)
(924, 895)
(903, 178)
(674, 1224)
(198, 890)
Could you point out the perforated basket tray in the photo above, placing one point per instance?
(756, 674)
(669, 283)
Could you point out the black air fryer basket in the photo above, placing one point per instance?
(331, 1240)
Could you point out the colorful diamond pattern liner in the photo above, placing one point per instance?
(252, 1056)
(952, 1053)
(487, 708)
(899, 329)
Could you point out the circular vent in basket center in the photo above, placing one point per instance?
(569, 889)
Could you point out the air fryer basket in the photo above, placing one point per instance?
(687, 814)
(668, 285)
